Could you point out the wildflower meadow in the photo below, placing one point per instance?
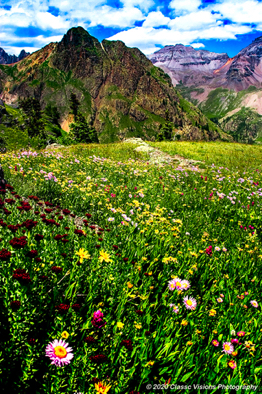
(118, 274)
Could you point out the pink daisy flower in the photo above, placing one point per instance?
(174, 307)
(59, 352)
(215, 342)
(190, 303)
(171, 285)
(222, 295)
(228, 348)
(219, 300)
(178, 283)
(254, 303)
(185, 285)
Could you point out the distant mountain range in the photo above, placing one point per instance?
(10, 59)
(121, 93)
(227, 90)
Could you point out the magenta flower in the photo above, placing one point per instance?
(215, 342)
(190, 303)
(241, 333)
(97, 320)
(59, 352)
(228, 348)
(234, 340)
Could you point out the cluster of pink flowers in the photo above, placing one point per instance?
(178, 284)
(97, 320)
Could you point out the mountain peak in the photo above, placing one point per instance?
(76, 36)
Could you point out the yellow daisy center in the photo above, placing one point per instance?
(189, 302)
(60, 351)
(178, 284)
(227, 347)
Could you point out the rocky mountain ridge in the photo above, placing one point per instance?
(121, 93)
(10, 59)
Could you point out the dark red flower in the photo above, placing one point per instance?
(5, 255)
(92, 227)
(60, 217)
(98, 246)
(127, 343)
(62, 308)
(101, 229)
(98, 359)
(134, 392)
(76, 307)
(67, 228)
(64, 255)
(65, 240)
(56, 269)
(146, 274)
(35, 198)
(36, 212)
(139, 312)
(89, 340)
(29, 224)
(49, 204)
(133, 262)
(66, 211)
(125, 258)
(39, 237)
(58, 237)
(42, 215)
(9, 187)
(18, 243)
(31, 341)
(12, 228)
(108, 229)
(10, 200)
(88, 215)
(115, 247)
(15, 305)
(32, 253)
(100, 239)
(147, 333)
(38, 259)
(96, 380)
(2, 223)
(7, 212)
(72, 215)
(43, 277)
(99, 233)
(21, 275)
(48, 210)
(79, 232)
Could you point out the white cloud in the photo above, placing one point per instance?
(108, 16)
(155, 19)
(195, 20)
(47, 21)
(241, 11)
(197, 45)
(184, 6)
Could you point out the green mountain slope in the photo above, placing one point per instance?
(120, 92)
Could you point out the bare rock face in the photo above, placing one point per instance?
(9, 59)
(185, 64)
(209, 70)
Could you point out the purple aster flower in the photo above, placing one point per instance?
(97, 320)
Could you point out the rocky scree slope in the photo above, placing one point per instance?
(121, 93)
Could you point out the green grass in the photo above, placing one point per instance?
(231, 155)
(155, 224)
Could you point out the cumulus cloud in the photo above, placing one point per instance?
(146, 24)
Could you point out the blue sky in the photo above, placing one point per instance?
(215, 25)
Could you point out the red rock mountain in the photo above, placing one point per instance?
(211, 70)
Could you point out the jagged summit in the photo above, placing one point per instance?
(121, 93)
(9, 59)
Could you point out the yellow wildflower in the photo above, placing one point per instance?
(138, 326)
(212, 312)
(120, 325)
(184, 323)
(104, 256)
(102, 388)
(65, 334)
(83, 254)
